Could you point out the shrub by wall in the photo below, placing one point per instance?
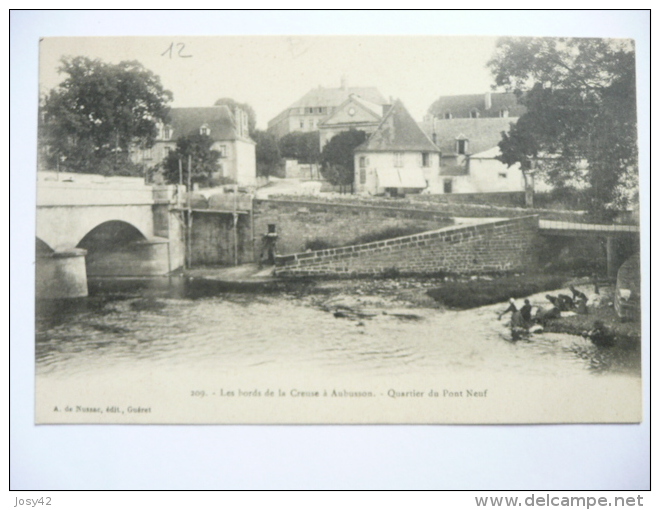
(299, 223)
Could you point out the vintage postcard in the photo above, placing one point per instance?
(337, 230)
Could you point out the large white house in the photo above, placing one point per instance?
(467, 130)
(397, 158)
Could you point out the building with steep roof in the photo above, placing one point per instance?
(306, 114)
(397, 158)
(228, 128)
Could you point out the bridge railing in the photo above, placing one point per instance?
(587, 228)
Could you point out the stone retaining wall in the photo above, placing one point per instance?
(497, 246)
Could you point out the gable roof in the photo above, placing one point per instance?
(219, 119)
(461, 106)
(398, 131)
(322, 96)
(371, 112)
(481, 134)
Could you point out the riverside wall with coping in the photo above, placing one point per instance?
(496, 246)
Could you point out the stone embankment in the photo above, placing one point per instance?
(497, 246)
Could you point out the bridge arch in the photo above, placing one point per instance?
(119, 248)
(63, 228)
(110, 235)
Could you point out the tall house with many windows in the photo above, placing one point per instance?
(226, 126)
(309, 111)
(467, 129)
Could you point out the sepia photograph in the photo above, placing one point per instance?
(337, 230)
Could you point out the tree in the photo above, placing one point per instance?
(303, 147)
(337, 157)
(92, 120)
(267, 153)
(204, 161)
(252, 117)
(580, 124)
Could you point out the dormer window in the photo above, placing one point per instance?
(504, 112)
(167, 133)
(448, 115)
(204, 130)
(474, 114)
(461, 146)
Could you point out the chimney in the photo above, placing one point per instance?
(487, 101)
(344, 82)
(238, 117)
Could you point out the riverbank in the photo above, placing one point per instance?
(359, 299)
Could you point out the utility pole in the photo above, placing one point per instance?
(235, 217)
(190, 219)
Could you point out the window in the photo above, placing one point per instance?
(448, 115)
(302, 124)
(363, 161)
(461, 146)
(398, 159)
(504, 113)
(447, 185)
(474, 114)
(204, 130)
(363, 174)
(168, 150)
(426, 159)
(222, 149)
(310, 110)
(319, 110)
(502, 175)
(167, 133)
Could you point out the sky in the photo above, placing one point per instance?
(272, 72)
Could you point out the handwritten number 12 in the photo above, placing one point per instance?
(179, 53)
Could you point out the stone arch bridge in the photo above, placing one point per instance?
(96, 226)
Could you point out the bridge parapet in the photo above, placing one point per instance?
(85, 191)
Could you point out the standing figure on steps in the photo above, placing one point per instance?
(268, 246)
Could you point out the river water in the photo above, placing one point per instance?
(188, 325)
(162, 345)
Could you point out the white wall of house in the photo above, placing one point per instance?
(485, 176)
(245, 163)
(491, 175)
(367, 164)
